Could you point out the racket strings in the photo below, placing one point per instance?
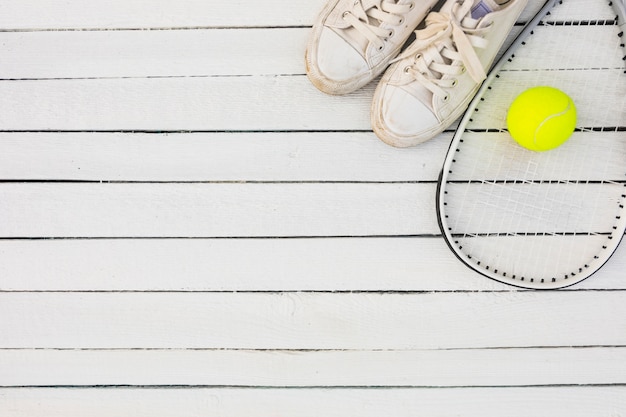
(544, 217)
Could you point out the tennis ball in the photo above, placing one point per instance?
(541, 118)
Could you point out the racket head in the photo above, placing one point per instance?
(542, 220)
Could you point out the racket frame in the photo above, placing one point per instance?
(619, 7)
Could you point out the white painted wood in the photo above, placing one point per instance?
(228, 402)
(393, 311)
(143, 14)
(415, 368)
(213, 103)
(233, 103)
(392, 264)
(216, 209)
(312, 320)
(293, 156)
(363, 264)
(165, 53)
(274, 156)
(212, 52)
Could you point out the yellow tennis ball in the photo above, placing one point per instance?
(541, 118)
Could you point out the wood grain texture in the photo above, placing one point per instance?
(154, 53)
(214, 52)
(144, 14)
(232, 156)
(354, 264)
(180, 104)
(251, 103)
(229, 241)
(246, 368)
(311, 320)
(228, 402)
(216, 209)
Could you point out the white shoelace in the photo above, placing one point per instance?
(446, 47)
(366, 15)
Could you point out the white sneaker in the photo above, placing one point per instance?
(352, 41)
(431, 84)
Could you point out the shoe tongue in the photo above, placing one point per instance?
(482, 8)
(479, 10)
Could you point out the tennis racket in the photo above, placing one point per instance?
(543, 219)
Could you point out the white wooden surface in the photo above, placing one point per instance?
(189, 228)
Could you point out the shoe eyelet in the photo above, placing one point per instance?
(455, 82)
(391, 33)
(345, 14)
(401, 21)
(446, 98)
(463, 69)
(407, 69)
(380, 48)
(417, 56)
(411, 5)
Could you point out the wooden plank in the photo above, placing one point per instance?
(364, 321)
(187, 104)
(146, 14)
(363, 264)
(211, 52)
(255, 103)
(155, 53)
(208, 210)
(245, 103)
(229, 402)
(143, 14)
(275, 156)
(415, 368)
(216, 209)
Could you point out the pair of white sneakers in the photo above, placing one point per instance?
(428, 85)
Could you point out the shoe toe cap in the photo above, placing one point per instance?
(337, 60)
(405, 116)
